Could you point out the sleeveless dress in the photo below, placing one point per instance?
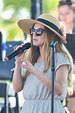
(37, 96)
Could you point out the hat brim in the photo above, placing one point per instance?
(27, 24)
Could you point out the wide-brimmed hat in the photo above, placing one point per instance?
(45, 19)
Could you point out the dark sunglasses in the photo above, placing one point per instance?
(38, 31)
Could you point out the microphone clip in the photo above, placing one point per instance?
(53, 43)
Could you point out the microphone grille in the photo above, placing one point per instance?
(27, 45)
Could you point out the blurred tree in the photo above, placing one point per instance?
(16, 4)
(49, 5)
(19, 8)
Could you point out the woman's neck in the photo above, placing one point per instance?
(40, 59)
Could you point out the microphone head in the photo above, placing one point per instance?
(27, 45)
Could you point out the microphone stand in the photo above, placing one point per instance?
(53, 44)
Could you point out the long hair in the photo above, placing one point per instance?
(34, 52)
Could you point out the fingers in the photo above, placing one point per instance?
(70, 91)
(21, 55)
(25, 64)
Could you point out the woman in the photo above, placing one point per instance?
(66, 12)
(65, 15)
(36, 80)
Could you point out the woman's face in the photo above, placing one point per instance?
(65, 14)
(38, 34)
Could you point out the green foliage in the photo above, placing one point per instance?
(13, 32)
(16, 4)
(49, 5)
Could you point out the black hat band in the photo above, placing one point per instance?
(51, 25)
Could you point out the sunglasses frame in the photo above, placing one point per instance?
(38, 31)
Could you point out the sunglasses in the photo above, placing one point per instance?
(38, 31)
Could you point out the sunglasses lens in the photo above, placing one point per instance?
(38, 32)
(32, 31)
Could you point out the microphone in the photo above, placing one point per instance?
(20, 50)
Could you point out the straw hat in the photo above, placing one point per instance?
(45, 19)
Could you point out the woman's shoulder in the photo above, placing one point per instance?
(60, 57)
(59, 54)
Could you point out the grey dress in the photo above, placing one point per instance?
(37, 96)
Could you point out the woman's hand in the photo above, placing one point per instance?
(21, 55)
(27, 65)
(70, 91)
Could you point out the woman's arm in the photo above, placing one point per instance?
(59, 83)
(17, 78)
(18, 81)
